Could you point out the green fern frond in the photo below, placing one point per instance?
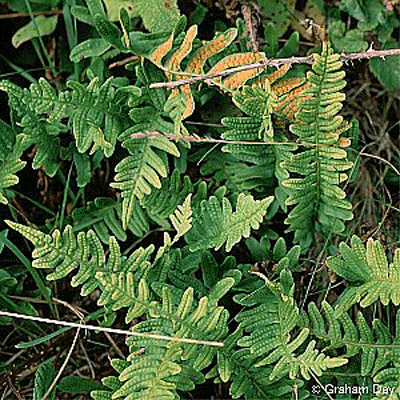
(375, 343)
(162, 202)
(319, 201)
(157, 369)
(367, 269)
(387, 384)
(101, 216)
(11, 150)
(31, 107)
(313, 360)
(245, 129)
(213, 227)
(63, 253)
(250, 381)
(147, 373)
(258, 102)
(139, 172)
(181, 219)
(253, 383)
(275, 339)
(94, 111)
(269, 160)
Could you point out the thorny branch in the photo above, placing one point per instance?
(275, 63)
(197, 139)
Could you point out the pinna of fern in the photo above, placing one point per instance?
(369, 273)
(319, 201)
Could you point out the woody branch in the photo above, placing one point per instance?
(275, 63)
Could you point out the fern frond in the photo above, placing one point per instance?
(238, 79)
(274, 339)
(162, 202)
(249, 381)
(100, 215)
(159, 53)
(180, 103)
(147, 373)
(235, 60)
(367, 269)
(258, 103)
(319, 200)
(63, 253)
(31, 107)
(373, 340)
(103, 215)
(181, 220)
(157, 369)
(174, 62)
(94, 112)
(140, 171)
(387, 384)
(213, 227)
(95, 115)
(268, 159)
(221, 41)
(11, 149)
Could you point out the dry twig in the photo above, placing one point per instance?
(275, 63)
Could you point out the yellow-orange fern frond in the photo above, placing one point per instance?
(222, 40)
(275, 75)
(158, 54)
(184, 49)
(287, 85)
(239, 79)
(235, 60)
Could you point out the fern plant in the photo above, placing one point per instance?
(166, 249)
(273, 337)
